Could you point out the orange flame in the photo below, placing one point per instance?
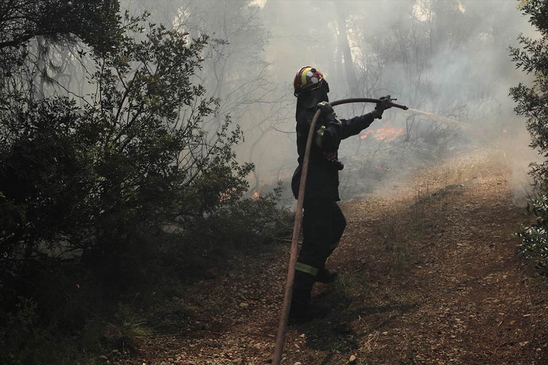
(386, 133)
(367, 133)
(504, 131)
(256, 194)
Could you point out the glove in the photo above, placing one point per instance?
(326, 108)
(383, 104)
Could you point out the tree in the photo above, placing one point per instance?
(132, 160)
(110, 188)
(39, 139)
(26, 27)
(532, 57)
(94, 22)
(234, 70)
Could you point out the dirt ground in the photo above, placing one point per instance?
(429, 274)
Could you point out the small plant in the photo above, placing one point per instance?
(535, 237)
(248, 221)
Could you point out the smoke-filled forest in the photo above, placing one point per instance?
(151, 154)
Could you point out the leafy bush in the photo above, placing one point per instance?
(94, 180)
(535, 237)
(532, 103)
(249, 221)
(101, 194)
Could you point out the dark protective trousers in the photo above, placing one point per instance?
(323, 226)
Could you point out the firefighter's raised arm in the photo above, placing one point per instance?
(353, 126)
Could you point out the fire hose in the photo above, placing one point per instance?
(282, 329)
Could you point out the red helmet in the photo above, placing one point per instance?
(308, 78)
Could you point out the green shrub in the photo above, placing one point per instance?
(535, 237)
(101, 196)
(531, 102)
(249, 221)
(24, 340)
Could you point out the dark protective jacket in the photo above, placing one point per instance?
(323, 174)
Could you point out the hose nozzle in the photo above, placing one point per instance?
(404, 107)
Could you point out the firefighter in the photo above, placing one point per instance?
(324, 222)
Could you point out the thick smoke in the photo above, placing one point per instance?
(449, 58)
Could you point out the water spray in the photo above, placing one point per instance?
(439, 118)
(282, 329)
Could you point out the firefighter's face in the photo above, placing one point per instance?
(313, 97)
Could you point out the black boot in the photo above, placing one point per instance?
(305, 312)
(326, 276)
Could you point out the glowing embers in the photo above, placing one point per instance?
(386, 133)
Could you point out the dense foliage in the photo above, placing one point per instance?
(532, 58)
(134, 158)
(535, 237)
(108, 190)
(95, 22)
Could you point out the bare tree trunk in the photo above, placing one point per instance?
(344, 48)
(41, 50)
